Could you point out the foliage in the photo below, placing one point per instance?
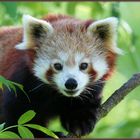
(23, 128)
(22, 125)
(11, 85)
(123, 121)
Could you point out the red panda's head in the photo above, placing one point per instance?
(69, 56)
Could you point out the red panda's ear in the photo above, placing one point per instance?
(33, 29)
(106, 31)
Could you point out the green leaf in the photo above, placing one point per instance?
(20, 87)
(25, 132)
(11, 85)
(9, 134)
(2, 126)
(26, 117)
(1, 86)
(42, 129)
(5, 82)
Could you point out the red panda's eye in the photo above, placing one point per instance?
(58, 66)
(83, 66)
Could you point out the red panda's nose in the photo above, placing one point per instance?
(71, 84)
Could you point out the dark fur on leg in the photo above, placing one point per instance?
(80, 118)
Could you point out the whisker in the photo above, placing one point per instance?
(84, 96)
(93, 83)
(96, 85)
(88, 88)
(87, 92)
(101, 81)
(36, 87)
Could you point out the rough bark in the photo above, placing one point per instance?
(118, 96)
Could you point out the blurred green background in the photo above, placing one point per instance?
(124, 120)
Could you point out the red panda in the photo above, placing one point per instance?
(63, 64)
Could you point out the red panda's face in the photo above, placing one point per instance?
(69, 75)
(71, 61)
(70, 72)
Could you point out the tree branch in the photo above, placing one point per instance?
(118, 96)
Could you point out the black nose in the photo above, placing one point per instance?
(71, 84)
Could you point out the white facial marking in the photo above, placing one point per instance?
(78, 57)
(40, 68)
(42, 64)
(68, 72)
(100, 65)
(63, 56)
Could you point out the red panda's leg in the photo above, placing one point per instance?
(80, 118)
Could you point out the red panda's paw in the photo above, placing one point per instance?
(79, 124)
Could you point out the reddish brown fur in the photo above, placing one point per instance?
(53, 18)
(92, 72)
(61, 21)
(9, 55)
(111, 59)
(49, 75)
(31, 54)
